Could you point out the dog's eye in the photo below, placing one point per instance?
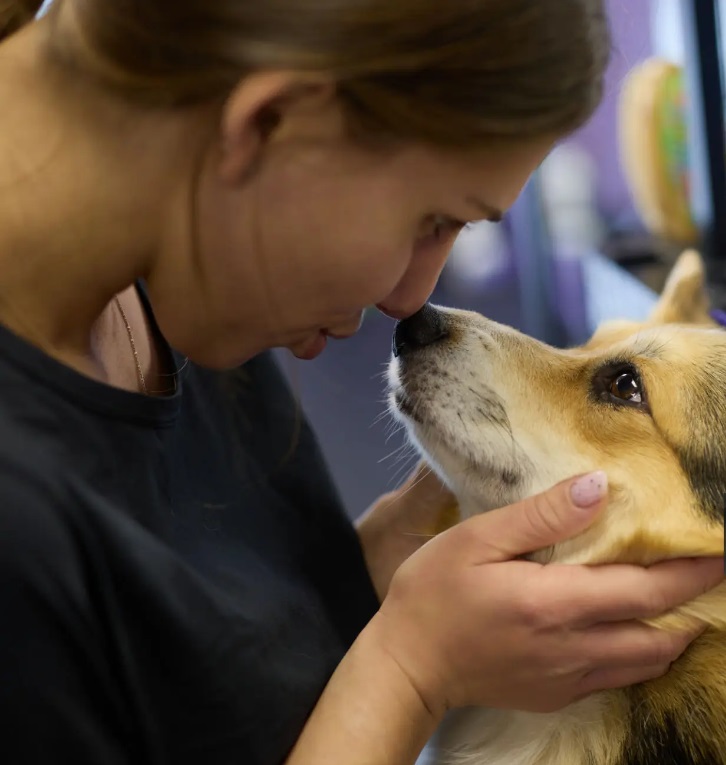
(619, 383)
(626, 386)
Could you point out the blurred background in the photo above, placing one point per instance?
(592, 236)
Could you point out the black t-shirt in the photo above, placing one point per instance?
(177, 577)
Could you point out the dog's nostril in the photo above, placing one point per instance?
(425, 327)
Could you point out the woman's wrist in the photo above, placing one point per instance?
(370, 712)
(377, 640)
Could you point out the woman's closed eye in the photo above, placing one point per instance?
(437, 229)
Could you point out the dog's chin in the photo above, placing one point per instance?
(479, 481)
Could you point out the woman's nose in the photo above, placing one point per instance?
(415, 288)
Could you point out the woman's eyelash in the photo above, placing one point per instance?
(445, 225)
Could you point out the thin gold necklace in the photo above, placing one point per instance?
(139, 371)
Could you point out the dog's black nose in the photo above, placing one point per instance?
(425, 327)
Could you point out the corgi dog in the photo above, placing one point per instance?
(500, 416)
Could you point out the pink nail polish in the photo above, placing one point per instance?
(589, 489)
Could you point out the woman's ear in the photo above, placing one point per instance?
(261, 106)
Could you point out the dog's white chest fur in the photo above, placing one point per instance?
(499, 737)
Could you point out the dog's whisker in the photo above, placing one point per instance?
(380, 417)
(406, 464)
(393, 431)
(396, 452)
(424, 474)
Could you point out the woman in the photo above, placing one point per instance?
(220, 177)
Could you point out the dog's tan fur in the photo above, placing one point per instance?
(501, 416)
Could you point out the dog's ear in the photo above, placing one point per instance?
(684, 299)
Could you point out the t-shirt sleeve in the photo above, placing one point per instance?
(56, 688)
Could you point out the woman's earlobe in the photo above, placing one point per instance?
(236, 163)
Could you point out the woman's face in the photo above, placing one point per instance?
(295, 243)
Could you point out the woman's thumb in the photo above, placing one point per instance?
(557, 514)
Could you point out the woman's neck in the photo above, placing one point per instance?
(76, 226)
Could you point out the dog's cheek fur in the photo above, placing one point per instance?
(703, 453)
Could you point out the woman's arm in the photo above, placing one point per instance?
(402, 521)
(369, 714)
(466, 623)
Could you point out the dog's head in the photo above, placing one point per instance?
(501, 416)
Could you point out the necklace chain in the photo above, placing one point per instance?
(139, 371)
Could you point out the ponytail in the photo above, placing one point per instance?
(15, 14)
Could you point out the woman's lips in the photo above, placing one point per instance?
(316, 345)
(312, 348)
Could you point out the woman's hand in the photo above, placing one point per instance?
(469, 625)
(402, 521)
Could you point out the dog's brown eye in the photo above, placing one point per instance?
(626, 386)
(619, 383)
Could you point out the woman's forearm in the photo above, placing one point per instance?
(369, 714)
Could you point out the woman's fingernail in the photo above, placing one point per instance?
(589, 489)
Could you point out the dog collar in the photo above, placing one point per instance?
(719, 316)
